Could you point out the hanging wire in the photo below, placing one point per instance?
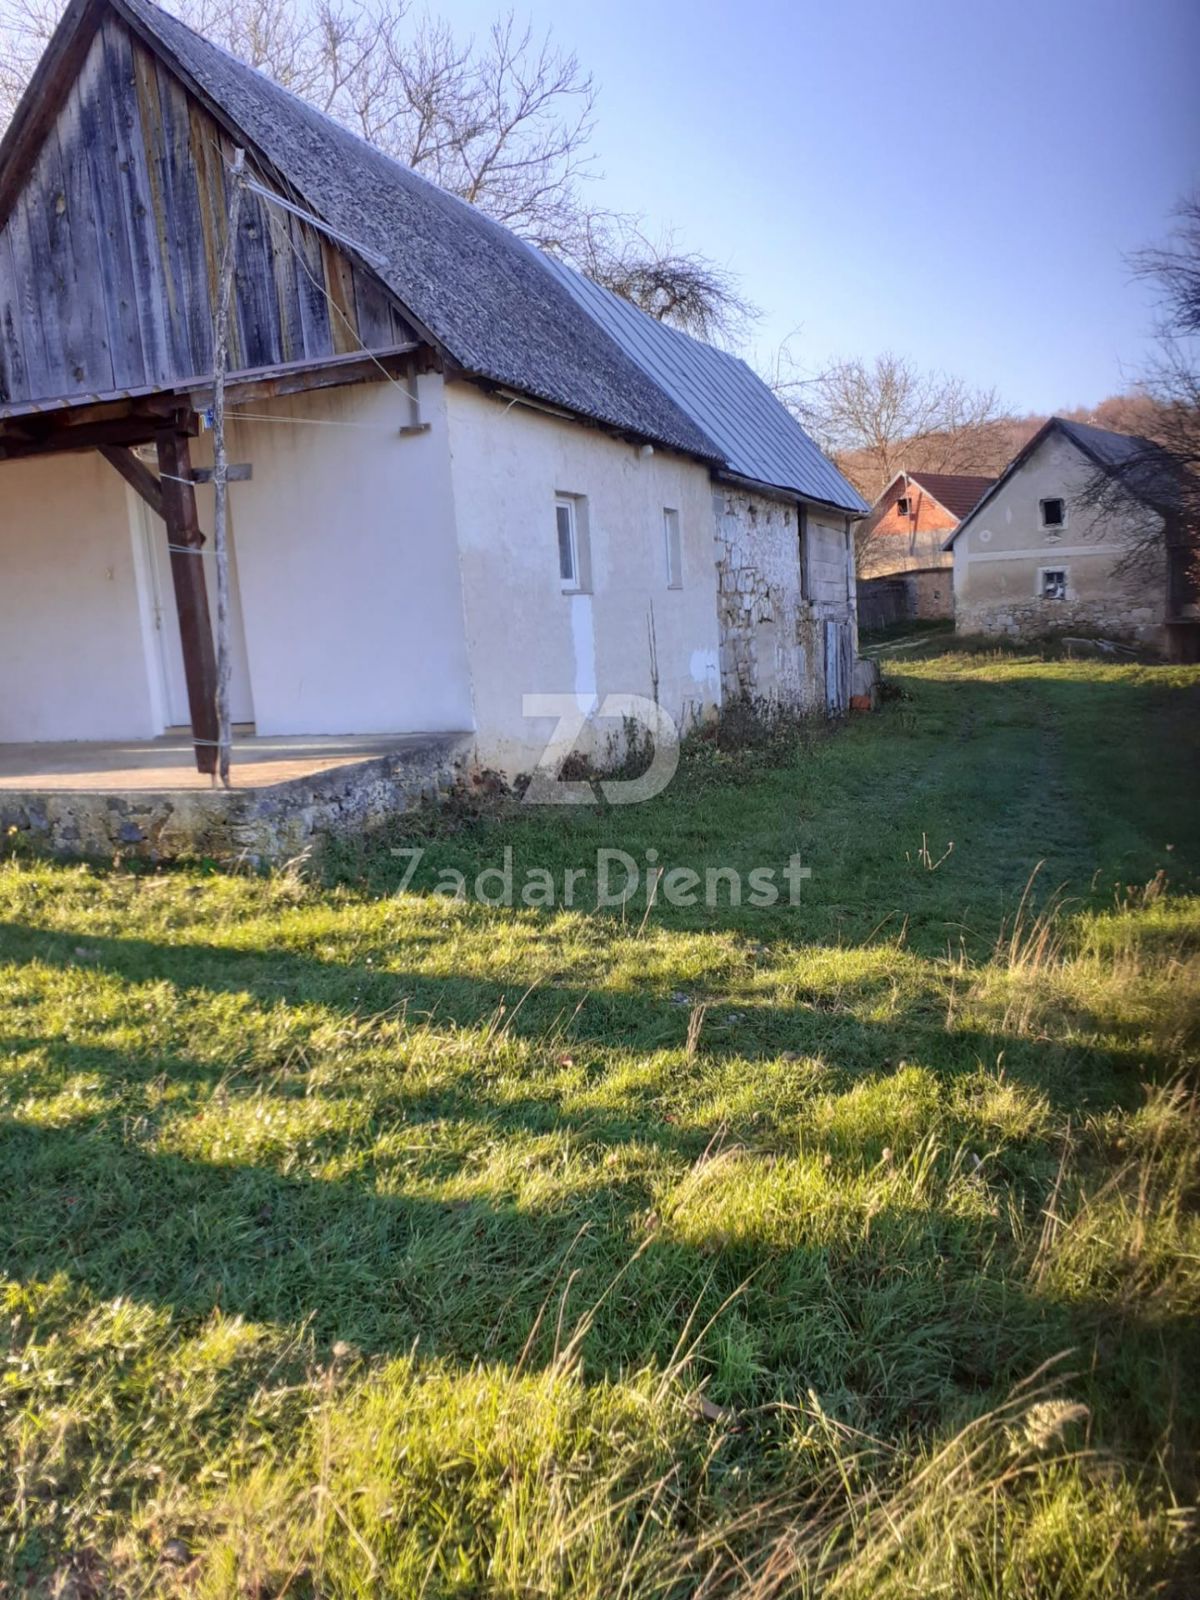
(262, 191)
(308, 422)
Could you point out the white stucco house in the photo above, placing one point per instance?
(1082, 534)
(466, 474)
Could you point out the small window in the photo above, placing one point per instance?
(802, 551)
(902, 505)
(1054, 583)
(568, 543)
(674, 549)
(1054, 513)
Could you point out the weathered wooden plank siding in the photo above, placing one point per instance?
(14, 376)
(310, 282)
(109, 257)
(111, 224)
(23, 302)
(128, 155)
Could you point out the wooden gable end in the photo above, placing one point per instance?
(109, 253)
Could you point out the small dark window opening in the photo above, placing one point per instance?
(1054, 585)
(1053, 514)
(902, 505)
(802, 542)
(568, 543)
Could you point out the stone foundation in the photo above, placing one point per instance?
(1113, 618)
(265, 826)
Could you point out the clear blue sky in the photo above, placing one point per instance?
(957, 181)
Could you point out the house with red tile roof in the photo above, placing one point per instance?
(907, 528)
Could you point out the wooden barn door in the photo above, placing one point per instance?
(165, 621)
(839, 667)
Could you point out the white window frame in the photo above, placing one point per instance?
(1052, 530)
(1043, 573)
(673, 547)
(568, 503)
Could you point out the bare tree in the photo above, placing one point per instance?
(673, 285)
(1174, 268)
(876, 418)
(1151, 495)
(504, 122)
(24, 30)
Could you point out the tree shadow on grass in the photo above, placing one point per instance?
(897, 1321)
(639, 1019)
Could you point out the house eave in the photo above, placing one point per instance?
(788, 496)
(42, 426)
(514, 395)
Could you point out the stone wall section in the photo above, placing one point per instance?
(772, 613)
(1117, 617)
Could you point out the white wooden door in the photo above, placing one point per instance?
(165, 622)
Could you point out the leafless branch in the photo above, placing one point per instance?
(1151, 499)
(878, 417)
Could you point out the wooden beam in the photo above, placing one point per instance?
(185, 542)
(37, 441)
(298, 377)
(291, 377)
(70, 411)
(240, 472)
(137, 474)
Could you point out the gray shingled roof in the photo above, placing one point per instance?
(758, 437)
(478, 289)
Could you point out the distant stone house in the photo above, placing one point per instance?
(470, 475)
(1041, 554)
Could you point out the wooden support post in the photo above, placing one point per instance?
(136, 474)
(185, 542)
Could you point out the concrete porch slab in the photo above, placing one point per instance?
(147, 799)
(168, 763)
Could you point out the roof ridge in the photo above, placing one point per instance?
(1111, 433)
(667, 329)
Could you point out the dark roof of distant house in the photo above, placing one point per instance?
(1143, 467)
(759, 438)
(490, 301)
(960, 493)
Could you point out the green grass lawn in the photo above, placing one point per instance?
(365, 1244)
